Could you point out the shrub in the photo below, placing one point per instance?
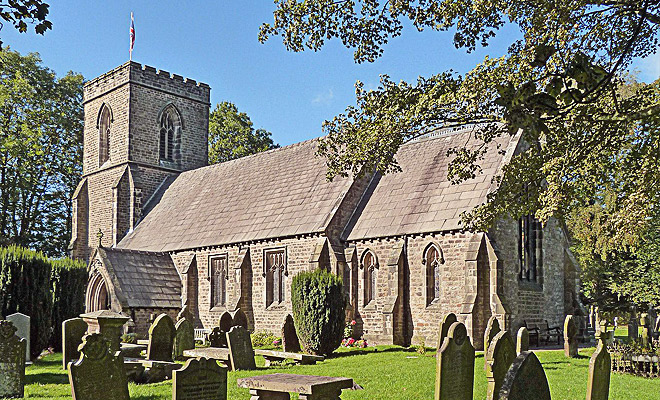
(264, 339)
(48, 291)
(319, 309)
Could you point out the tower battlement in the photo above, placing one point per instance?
(150, 77)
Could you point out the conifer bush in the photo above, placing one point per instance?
(318, 311)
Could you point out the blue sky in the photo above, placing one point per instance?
(289, 94)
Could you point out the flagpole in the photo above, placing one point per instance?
(132, 39)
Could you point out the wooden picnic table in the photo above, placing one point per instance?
(309, 387)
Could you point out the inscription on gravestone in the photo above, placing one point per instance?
(184, 338)
(161, 339)
(22, 324)
(455, 366)
(12, 361)
(501, 354)
(98, 374)
(290, 342)
(525, 380)
(241, 352)
(200, 379)
(73, 331)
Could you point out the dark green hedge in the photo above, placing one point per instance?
(49, 291)
(319, 308)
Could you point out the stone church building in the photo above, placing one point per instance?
(160, 228)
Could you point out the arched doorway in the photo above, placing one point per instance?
(97, 297)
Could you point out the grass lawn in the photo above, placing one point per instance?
(385, 372)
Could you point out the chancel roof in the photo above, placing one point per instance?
(420, 198)
(278, 193)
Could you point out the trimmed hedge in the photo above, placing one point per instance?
(49, 291)
(319, 308)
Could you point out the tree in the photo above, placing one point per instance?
(41, 128)
(231, 135)
(17, 12)
(560, 85)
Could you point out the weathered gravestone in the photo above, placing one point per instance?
(217, 337)
(73, 331)
(184, 338)
(522, 340)
(501, 354)
(445, 324)
(12, 361)
(645, 324)
(492, 329)
(99, 373)
(238, 318)
(598, 385)
(225, 321)
(570, 337)
(241, 353)
(454, 376)
(22, 324)
(633, 331)
(290, 342)
(161, 339)
(200, 379)
(525, 380)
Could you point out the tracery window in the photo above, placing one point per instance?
(105, 119)
(370, 266)
(432, 261)
(529, 248)
(275, 269)
(170, 127)
(218, 272)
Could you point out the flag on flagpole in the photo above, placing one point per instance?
(130, 51)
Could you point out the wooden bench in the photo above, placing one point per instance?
(202, 335)
(309, 387)
(546, 333)
(272, 355)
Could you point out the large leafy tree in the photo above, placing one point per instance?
(561, 85)
(20, 13)
(41, 126)
(232, 135)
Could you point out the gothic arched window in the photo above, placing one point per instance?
(218, 281)
(529, 248)
(275, 269)
(105, 119)
(170, 134)
(432, 261)
(370, 265)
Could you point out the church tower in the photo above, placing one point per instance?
(142, 127)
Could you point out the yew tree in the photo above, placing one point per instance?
(563, 85)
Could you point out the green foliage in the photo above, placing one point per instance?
(17, 12)
(319, 309)
(232, 135)
(264, 339)
(562, 86)
(41, 125)
(129, 338)
(49, 291)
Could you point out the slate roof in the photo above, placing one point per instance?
(143, 279)
(420, 198)
(281, 192)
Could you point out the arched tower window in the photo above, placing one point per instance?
(432, 260)
(105, 119)
(170, 134)
(370, 266)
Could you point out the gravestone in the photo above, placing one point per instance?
(598, 385)
(656, 328)
(454, 379)
(238, 318)
(73, 331)
(217, 337)
(200, 379)
(525, 380)
(492, 329)
(645, 324)
(12, 361)
(501, 354)
(161, 339)
(522, 340)
(184, 338)
(241, 353)
(107, 323)
(225, 321)
(22, 324)
(290, 342)
(633, 331)
(570, 337)
(446, 323)
(99, 373)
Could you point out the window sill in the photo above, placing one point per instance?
(435, 304)
(276, 306)
(218, 309)
(371, 306)
(530, 286)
